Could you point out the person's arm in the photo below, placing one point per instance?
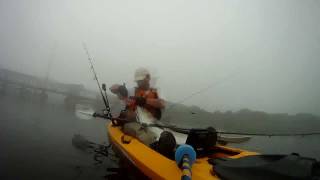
(157, 103)
(154, 102)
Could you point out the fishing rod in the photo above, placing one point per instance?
(104, 97)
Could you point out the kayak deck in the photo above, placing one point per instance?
(157, 166)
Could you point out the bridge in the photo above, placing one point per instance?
(27, 84)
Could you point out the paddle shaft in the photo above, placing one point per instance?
(186, 168)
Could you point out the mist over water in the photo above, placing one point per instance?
(263, 54)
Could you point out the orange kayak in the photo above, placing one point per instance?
(156, 166)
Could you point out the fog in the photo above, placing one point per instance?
(261, 55)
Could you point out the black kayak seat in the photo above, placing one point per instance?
(267, 167)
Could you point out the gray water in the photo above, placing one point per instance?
(36, 143)
(308, 146)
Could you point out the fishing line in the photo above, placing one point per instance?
(203, 90)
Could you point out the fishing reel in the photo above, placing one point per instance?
(106, 115)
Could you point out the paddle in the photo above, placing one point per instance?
(185, 156)
(95, 114)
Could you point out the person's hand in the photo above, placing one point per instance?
(119, 90)
(122, 91)
(115, 88)
(140, 101)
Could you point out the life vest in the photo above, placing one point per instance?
(148, 94)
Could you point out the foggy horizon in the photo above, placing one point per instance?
(261, 55)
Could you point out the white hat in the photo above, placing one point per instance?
(140, 74)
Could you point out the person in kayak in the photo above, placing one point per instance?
(146, 96)
(143, 96)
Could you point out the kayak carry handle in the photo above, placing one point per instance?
(185, 156)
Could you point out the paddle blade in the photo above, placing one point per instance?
(84, 112)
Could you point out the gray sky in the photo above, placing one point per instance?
(262, 55)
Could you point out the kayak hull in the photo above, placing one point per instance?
(156, 166)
